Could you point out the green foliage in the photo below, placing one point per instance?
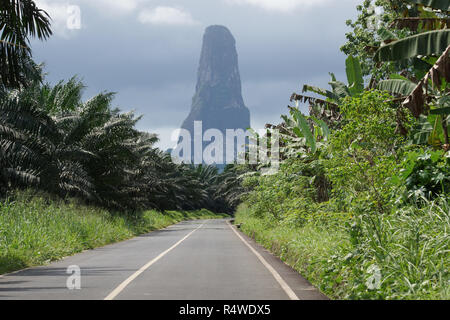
(368, 33)
(20, 20)
(306, 248)
(435, 4)
(395, 24)
(302, 129)
(431, 129)
(326, 113)
(423, 44)
(354, 76)
(341, 90)
(424, 174)
(53, 141)
(363, 240)
(398, 256)
(38, 228)
(293, 195)
(357, 206)
(401, 87)
(364, 153)
(369, 124)
(301, 136)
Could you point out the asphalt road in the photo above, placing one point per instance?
(193, 260)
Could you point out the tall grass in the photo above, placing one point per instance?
(36, 229)
(411, 250)
(403, 255)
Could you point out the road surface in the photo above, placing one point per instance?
(193, 260)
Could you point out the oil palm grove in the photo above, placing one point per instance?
(51, 140)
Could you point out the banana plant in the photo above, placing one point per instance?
(422, 44)
(432, 16)
(301, 135)
(443, 5)
(398, 86)
(429, 96)
(341, 90)
(327, 108)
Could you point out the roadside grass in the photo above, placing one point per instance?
(36, 229)
(303, 248)
(400, 256)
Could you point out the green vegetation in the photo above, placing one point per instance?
(36, 229)
(360, 203)
(54, 146)
(20, 20)
(407, 251)
(51, 140)
(363, 216)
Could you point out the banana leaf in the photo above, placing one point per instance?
(397, 86)
(427, 43)
(354, 76)
(435, 4)
(303, 130)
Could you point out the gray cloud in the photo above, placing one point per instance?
(153, 66)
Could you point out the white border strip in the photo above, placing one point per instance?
(124, 284)
(291, 294)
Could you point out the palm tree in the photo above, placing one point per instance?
(53, 141)
(20, 20)
(23, 129)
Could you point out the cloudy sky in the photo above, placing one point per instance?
(148, 51)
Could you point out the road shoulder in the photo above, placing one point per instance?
(302, 288)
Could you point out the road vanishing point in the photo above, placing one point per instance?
(192, 260)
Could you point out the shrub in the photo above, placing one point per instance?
(365, 153)
(424, 173)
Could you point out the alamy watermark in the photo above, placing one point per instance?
(74, 280)
(73, 21)
(373, 281)
(234, 146)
